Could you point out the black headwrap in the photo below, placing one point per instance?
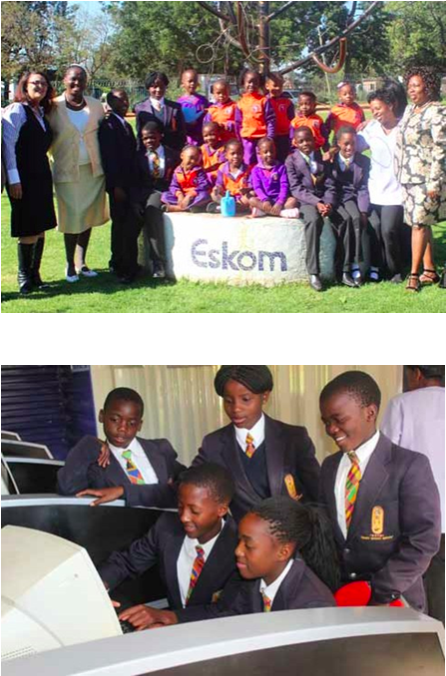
(257, 379)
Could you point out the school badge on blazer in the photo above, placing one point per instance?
(377, 526)
(291, 487)
(216, 596)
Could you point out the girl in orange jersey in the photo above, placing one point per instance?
(347, 111)
(212, 151)
(234, 176)
(255, 117)
(223, 110)
(189, 189)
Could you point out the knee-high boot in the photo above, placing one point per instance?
(35, 273)
(25, 256)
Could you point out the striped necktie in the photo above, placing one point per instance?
(156, 171)
(133, 472)
(196, 571)
(266, 603)
(250, 448)
(352, 487)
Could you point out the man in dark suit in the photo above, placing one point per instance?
(382, 500)
(142, 471)
(311, 185)
(118, 152)
(265, 457)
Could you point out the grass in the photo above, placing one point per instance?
(105, 295)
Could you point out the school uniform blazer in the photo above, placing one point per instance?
(300, 589)
(359, 189)
(289, 451)
(174, 123)
(145, 183)
(117, 143)
(81, 471)
(301, 181)
(162, 545)
(396, 525)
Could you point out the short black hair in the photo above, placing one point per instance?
(124, 394)
(346, 129)
(111, 96)
(277, 78)
(233, 142)
(215, 478)
(392, 93)
(435, 372)
(252, 71)
(358, 385)
(154, 76)
(311, 95)
(153, 125)
(303, 128)
(257, 379)
(431, 77)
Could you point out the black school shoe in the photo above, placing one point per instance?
(347, 280)
(315, 283)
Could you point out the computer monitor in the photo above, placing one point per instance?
(52, 595)
(25, 449)
(32, 475)
(13, 436)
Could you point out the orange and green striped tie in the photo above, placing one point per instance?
(250, 448)
(133, 472)
(352, 487)
(196, 571)
(266, 603)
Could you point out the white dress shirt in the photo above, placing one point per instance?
(185, 561)
(162, 160)
(416, 420)
(364, 453)
(343, 162)
(271, 590)
(13, 119)
(383, 185)
(139, 458)
(157, 104)
(257, 433)
(310, 160)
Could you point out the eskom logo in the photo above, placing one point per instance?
(246, 261)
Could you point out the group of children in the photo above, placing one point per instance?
(259, 525)
(272, 161)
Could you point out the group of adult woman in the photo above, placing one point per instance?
(408, 184)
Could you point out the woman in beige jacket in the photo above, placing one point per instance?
(77, 171)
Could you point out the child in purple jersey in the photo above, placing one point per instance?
(269, 181)
(194, 107)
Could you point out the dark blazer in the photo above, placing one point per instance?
(358, 190)
(289, 450)
(173, 121)
(162, 546)
(300, 589)
(401, 483)
(301, 182)
(117, 144)
(81, 471)
(145, 182)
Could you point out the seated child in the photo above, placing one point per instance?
(346, 112)
(125, 466)
(194, 107)
(269, 181)
(155, 165)
(255, 115)
(223, 110)
(212, 151)
(350, 173)
(189, 189)
(284, 112)
(307, 117)
(234, 176)
(312, 186)
(193, 548)
(382, 500)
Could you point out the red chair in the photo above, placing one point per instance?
(358, 594)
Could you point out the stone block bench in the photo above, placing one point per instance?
(239, 251)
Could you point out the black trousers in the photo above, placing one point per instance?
(126, 228)
(350, 213)
(385, 238)
(314, 224)
(154, 228)
(342, 226)
(434, 585)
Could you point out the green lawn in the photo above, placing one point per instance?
(106, 295)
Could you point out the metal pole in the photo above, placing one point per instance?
(264, 38)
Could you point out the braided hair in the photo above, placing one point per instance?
(257, 379)
(431, 78)
(357, 384)
(309, 529)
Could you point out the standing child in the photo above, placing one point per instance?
(233, 176)
(194, 107)
(223, 110)
(189, 189)
(382, 499)
(269, 181)
(313, 188)
(347, 111)
(284, 112)
(307, 117)
(118, 153)
(212, 151)
(254, 116)
(350, 172)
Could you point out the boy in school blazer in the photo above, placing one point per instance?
(146, 477)
(202, 522)
(283, 460)
(159, 109)
(382, 499)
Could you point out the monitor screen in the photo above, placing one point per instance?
(24, 449)
(34, 476)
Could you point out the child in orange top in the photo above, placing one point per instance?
(213, 152)
(223, 111)
(234, 176)
(284, 112)
(347, 111)
(189, 189)
(255, 117)
(307, 117)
